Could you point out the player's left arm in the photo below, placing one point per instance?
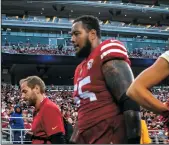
(118, 77)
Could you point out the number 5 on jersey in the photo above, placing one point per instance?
(86, 94)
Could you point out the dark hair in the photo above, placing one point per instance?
(89, 22)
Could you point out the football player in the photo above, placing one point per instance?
(106, 115)
(139, 89)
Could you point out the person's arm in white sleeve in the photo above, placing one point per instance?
(139, 89)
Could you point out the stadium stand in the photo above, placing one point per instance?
(144, 32)
(41, 45)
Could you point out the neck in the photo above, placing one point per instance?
(40, 98)
(95, 44)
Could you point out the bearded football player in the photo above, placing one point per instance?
(106, 115)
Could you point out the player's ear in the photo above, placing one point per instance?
(93, 34)
(37, 89)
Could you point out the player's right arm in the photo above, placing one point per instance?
(139, 89)
(74, 137)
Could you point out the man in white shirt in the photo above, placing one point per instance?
(139, 89)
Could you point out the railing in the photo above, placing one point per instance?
(156, 137)
(11, 140)
(9, 132)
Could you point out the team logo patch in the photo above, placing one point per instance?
(90, 63)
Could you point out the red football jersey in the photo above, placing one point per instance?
(94, 101)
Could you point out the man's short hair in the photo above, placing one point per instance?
(32, 81)
(89, 22)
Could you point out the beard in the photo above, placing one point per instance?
(85, 50)
(32, 100)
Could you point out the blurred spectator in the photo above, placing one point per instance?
(16, 122)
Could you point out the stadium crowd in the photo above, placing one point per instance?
(155, 126)
(10, 96)
(147, 52)
(28, 48)
(68, 50)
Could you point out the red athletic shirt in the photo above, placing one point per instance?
(47, 121)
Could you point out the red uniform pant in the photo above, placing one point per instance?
(108, 131)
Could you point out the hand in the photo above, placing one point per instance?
(167, 103)
(165, 115)
(30, 132)
(165, 118)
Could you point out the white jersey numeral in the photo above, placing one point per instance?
(86, 94)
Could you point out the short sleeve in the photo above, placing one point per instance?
(52, 121)
(165, 56)
(112, 49)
